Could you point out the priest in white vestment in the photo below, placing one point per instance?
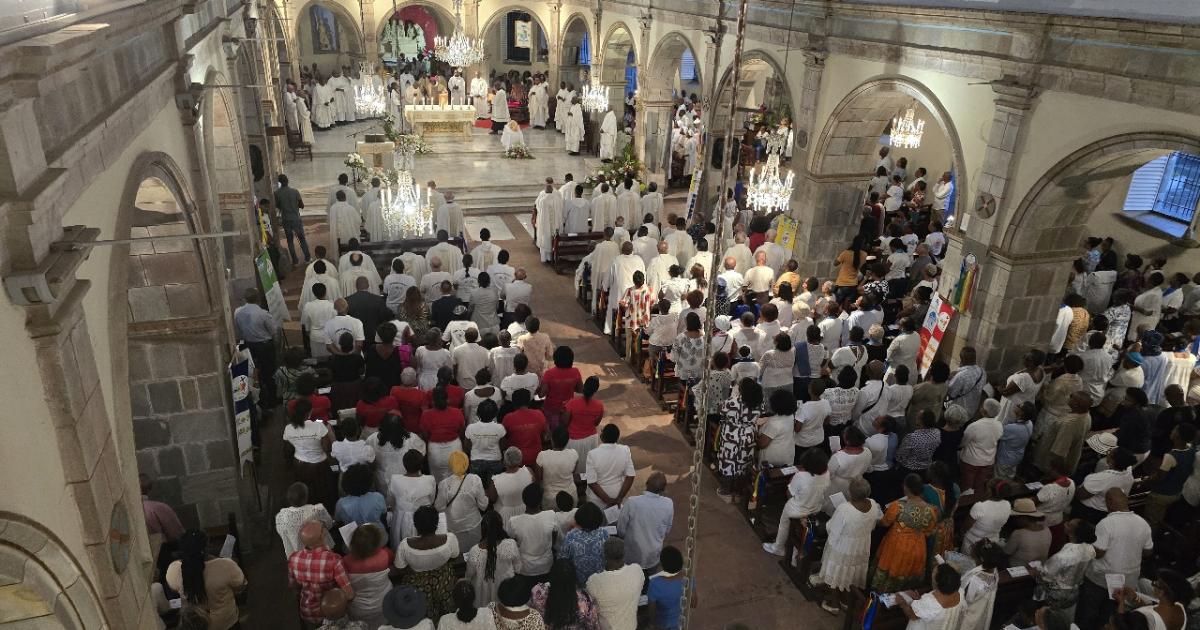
(324, 108)
(500, 115)
(344, 221)
(448, 216)
(680, 244)
(574, 128)
(458, 88)
(564, 105)
(290, 115)
(343, 97)
(484, 254)
(608, 137)
(740, 252)
(414, 265)
(549, 206)
(343, 186)
(353, 248)
(659, 269)
(652, 203)
(512, 136)
(539, 104)
(620, 279)
(479, 90)
(604, 209)
(323, 275)
(320, 254)
(372, 210)
(629, 204)
(304, 121)
(360, 269)
(620, 234)
(602, 257)
(576, 212)
(645, 245)
(567, 190)
(450, 255)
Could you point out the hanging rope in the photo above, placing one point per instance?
(710, 316)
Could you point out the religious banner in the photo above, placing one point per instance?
(324, 29)
(694, 189)
(270, 287)
(522, 35)
(239, 376)
(785, 232)
(937, 320)
(968, 279)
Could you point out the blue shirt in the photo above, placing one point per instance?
(368, 508)
(1010, 450)
(586, 550)
(253, 324)
(666, 596)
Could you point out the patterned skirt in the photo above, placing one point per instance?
(437, 586)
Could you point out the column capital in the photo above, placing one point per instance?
(645, 20)
(1014, 95)
(815, 58)
(713, 35)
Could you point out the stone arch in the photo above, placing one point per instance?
(444, 18)
(849, 140)
(617, 44)
(656, 79)
(46, 577)
(777, 96)
(657, 74)
(355, 47)
(227, 165)
(285, 54)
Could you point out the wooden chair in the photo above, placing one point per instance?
(570, 249)
(298, 146)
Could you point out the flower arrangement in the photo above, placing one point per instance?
(614, 173)
(356, 164)
(518, 152)
(386, 177)
(412, 143)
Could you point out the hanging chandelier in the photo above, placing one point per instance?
(770, 192)
(404, 215)
(458, 50)
(595, 97)
(370, 99)
(907, 130)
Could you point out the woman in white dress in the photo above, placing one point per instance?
(979, 586)
(304, 121)
(391, 443)
(847, 555)
(1173, 592)
(430, 358)
(466, 615)
(848, 464)
(512, 136)
(485, 302)
(408, 492)
(462, 498)
(507, 486)
(483, 390)
(495, 559)
(939, 609)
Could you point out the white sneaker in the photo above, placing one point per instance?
(772, 549)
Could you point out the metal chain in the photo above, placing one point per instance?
(710, 316)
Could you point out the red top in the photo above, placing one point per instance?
(371, 414)
(409, 402)
(756, 240)
(560, 387)
(443, 425)
(380, 561)
(455, 396)
(320, 407)
(585, 414)
(315, 571)
(525, 428)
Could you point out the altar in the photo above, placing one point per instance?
(377, 154)
(441, 119)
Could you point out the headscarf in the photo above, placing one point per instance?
(1152, 341)
(459, 462)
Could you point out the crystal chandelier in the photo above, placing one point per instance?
(370, 99)
(907, 131)
(458, 50)
(769, 192)
(404, 215)
(595, 97)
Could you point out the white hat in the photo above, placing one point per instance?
(723, 323)
(1102, 443)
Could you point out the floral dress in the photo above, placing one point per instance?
(900, 561)
(735, 448)
(587, 615)
(942, 538)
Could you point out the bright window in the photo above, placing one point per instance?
(1163, 194)
(687, 67)
(585, 51)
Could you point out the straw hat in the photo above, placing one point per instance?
(1026, 507)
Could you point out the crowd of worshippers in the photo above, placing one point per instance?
(824, 377)
(453, 466)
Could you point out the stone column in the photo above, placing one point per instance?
(712, 57)
(806, 109)
(471, 19)
(370, 35)
(644, 65)
(554, 40)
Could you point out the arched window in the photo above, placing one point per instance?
(1163, 194)
(630, 72)
(687, 68)
(585, 51)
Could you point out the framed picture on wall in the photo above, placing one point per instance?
(522, 37)
(324, 29)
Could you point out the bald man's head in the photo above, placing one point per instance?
(312, 535)
(730, 262)
(435, 263)
(341, 306)
(519, 274)
(1116, 501)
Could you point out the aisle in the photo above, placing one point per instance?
(737, 581)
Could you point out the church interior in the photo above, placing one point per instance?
(142, 145)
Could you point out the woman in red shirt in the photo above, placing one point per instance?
(410, 401)
(455, 395)
(375, 403)
(526, 428)
(306, 387)
(442, 427)
(559, 384)
(582, 415)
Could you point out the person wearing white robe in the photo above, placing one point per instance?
(449, 217)
(450, 255)
(692, 152)
(353, 248)
(500, 115)
(304, 121)
(645, 245)
(345, 220)
(458, 88)
(659, 269)
(372, 205)
(333, 288)
(620, 279)
(620, 234)
(629, 204)
(652, 203)
(567, 190)
(576, 212)
(602, 257)
(484, 254)
(740, 252)
(323, 105)
(608, 137)
(290, 115)
(406, 79)
(604, 209)
(415, 265)
(549, 206)
(539, 104)
(343, 187)
(343, 98)
(395, 104)
(349, 278)
(564, 104)
(681, 246)
(574, 128)
(479, 90)
(512, 136)
(652, 230)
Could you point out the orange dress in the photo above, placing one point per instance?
(900, 561)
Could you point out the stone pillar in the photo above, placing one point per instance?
(806, 110)
(370, 34)
(554, 40)
(644, 65)
(713, 38)
(471, 19)
(712, 57)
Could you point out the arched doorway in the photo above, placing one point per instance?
(763, 91)
(328, 37)
(575, 64)
(45, 585)
(515, 39)
(1081, 196)
(409, 30)
(619, 67)
(671, 74)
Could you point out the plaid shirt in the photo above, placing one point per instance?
(916, 449)
(637, 302)
(315, 571)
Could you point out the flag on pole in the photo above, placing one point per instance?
(968, 279)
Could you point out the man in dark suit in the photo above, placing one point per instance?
(442, 309)
(367, 308)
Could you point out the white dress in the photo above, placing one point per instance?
(847, 555)
(508, 560)
(843, 468)
(509, 487)
(405, 494)
(510, 138)
(932, 616)
(430, 362)
(390, 460)
(462, 500)
(978, 592)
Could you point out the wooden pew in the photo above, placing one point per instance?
(1011, 593)
(382, 252)
(569, 249)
